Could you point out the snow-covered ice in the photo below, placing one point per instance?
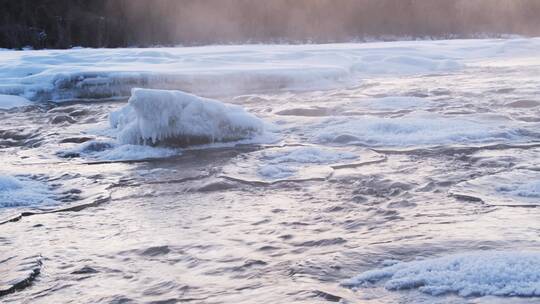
(178, 118)
(101, 73)
(22, 191)
(515, 187)
(12, 101)
(498, 273)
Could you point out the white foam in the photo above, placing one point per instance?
(13, 101)
(413, 130)
(498, 273)
(175, 117)
(21, 191)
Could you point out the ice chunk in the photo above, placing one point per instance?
(498, 273)
(12, 101)
(22, 192)
(178, 118)
(518, 187)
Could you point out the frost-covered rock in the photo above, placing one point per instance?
(498, 273)
(178, 118)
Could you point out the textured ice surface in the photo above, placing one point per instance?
(12, 101)
(100, 73)
(178, 118)
(516, 187)
(498, 273)
(135, 152)
(21, 191)
(295, 163)
(416, 129)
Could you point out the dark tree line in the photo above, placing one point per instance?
(118, 23)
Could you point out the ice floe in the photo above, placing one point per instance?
(179, 119)
(419, 129)
(482, 273)
(295, 163)
(22, 191)
(512, 188)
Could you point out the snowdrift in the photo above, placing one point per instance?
(175, 118)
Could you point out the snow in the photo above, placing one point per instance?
(21, 191)
(414, 129)
(12, 101)
(496, 273)
(515, 187)
(178, 118)
(84, 73)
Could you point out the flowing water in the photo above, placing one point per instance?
(208, 225)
